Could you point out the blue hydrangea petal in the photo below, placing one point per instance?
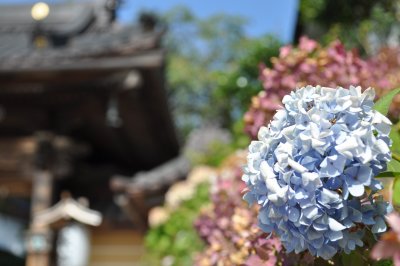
(379, 226)
(334, 235)
(326, 252)
(335, 225)
(356, 189)
(294, 214)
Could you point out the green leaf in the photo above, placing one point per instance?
(394, 166)
(393, 169)
(383, 263)
(383, 104)
(386, 174)
(395, 137)
(396, 192)
(354, 258)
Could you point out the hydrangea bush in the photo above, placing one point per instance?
(311, 64)
(312, 170)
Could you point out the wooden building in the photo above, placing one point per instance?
(82, 99)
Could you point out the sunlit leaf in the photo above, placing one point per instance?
(383, 104)
(396, 191)
(395, 137)
(393, 169)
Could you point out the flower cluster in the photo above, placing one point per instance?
(230, 229)
(180, 192)
(311, 64)
(312, 170)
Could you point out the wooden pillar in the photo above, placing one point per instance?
(46, 164)
(42, 190)
(40, 238)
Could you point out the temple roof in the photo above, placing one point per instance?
(64, 18)
(75, 35)
(83, 52)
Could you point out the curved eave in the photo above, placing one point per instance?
(150, 59)
(67, 209)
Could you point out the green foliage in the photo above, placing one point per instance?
(197, 48)
(243, 82)
(240, 141)
(395, 137)
(396, 192)
(354, 258)
(383, 263)
(354, 22)
(206, 57)
(345, 11)
(217, 152)
(311, 9)
(177, 238)
(383, 104)
(393, 169)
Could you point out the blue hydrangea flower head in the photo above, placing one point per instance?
(312, 170)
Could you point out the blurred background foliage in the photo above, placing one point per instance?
(212, 67)
(363, 24)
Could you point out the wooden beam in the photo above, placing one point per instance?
(15, 187)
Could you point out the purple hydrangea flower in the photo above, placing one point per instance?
(312, 170)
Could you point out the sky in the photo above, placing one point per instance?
(277, 17)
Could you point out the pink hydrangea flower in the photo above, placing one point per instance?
(309, 63)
